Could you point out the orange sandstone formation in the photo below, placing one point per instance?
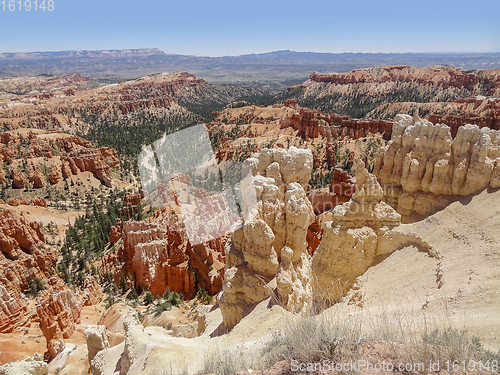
(58, 310)
(18, 179)
(158, 255)
(13, 311)
(312, 124)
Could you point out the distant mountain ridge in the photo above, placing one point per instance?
(275, 70)
(142, 52)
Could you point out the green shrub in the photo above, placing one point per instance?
(148, 298)
(164, 306)
(174, 299)
(203, 295)
(35, 286)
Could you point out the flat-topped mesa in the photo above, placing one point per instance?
(435, 75)
(423, 167)
(272, 242)
(362, 232)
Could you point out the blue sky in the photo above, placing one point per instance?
(220, 27)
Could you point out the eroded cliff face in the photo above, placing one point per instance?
(58, 311)
(362, 233)
(272, 244)
(382, 92)
(13, 311)
(33, 150)
(443, 76)
(26, 259)
(313, 124)
(422, 166)
(158, 255)
(23, 248)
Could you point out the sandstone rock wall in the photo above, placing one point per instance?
(23, 248)
(158, 255)
(58, 311)
(13, 311)
(272, 243)
(423, 165)
(340, 191)
(312, 124)
(97, 340)
(360, 235)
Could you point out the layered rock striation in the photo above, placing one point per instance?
(13, 311)
(61, 155)
(58, 311)
(158, 255)
(23, 248)
(312, 124)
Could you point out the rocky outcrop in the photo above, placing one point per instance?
(342, 184)
(18, 178)
(97, 340)
(158, 255)
(58, 311)
(73, 155)
(272, 242)
(325, 201)
(55, 174)
(39, 202)
(360, 235)
(24, 255)
(98, 162)
(423, 166)
(313, 123)
(13, 202)
(134, 352)
(478, 110)
(18, 237)
(438, 75)
(340, 191)
(148, 260)
(30, 366)
(383, 91)
(116, 232)
(36, 177)
(13, 311)
(313, 237)
(132, 199)
(92, 293)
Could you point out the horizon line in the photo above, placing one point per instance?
(493, 51)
